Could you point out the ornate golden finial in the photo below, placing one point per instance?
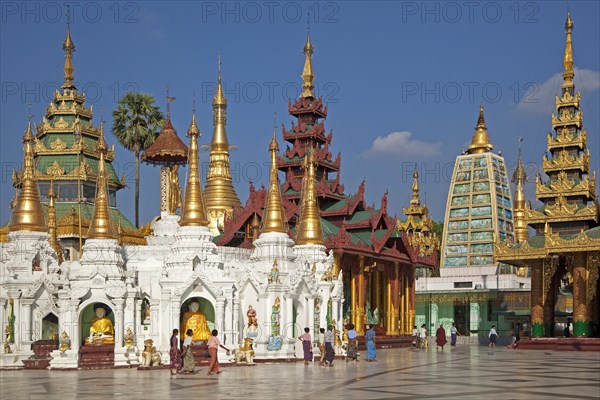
(101, 226)
(309, 230)
(519, 202)
(219, 192)
(27, 214)
(307, 73)
(52, 229)
(69, 48)
(169, 100)
(274, 219)
(193, 130)
(193, 212)
(480, 143)
(519, 176)
(568, 72)
(219, 99)
(415, 188)
(219, 139)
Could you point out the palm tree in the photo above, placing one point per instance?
(135, 125)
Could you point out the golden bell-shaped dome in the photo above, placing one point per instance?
(480, 142)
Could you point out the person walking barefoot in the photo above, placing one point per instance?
(329, 353)
(371, 349)
(453, 335)
(213, 347)
(352, 353)
(493, 336)
(189, 363)
(440, 337)
(306, 346)
(322, 346)
(174, 353)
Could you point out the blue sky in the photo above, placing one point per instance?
(403, 80)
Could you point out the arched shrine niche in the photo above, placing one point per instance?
(97, 324)
(50, 327)
(197, 314)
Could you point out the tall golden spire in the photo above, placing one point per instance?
(568, 72)
(415, 189)
(52, 230)
(219, 192)
(307, 73)
(28, 215)
(193, 212)
(519, 179)
(480, 142)
(309, 230)
(274, 216)
(219, 99)
(101, 226)
(69, 48)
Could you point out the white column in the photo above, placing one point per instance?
(3, 320)
(129, 313)
(289, 317)
(236, 327)
(119, 322)
(220, 316)
(73, 317)
(175, 315)
(19, 326)
(138, 315)
(311, 315)
(434, 319)
(336, 310)
(26, 325)
(474, 317)
(154, 317)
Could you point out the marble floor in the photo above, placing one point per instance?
(470, 372)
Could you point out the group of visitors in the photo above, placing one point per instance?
(419, 337)
(183, 362)
(326, 343)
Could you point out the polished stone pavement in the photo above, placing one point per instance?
(469, 372)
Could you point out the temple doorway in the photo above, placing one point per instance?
(461, 318)
(50, 327)
(197, 314)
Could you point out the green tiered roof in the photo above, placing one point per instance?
(66, 151)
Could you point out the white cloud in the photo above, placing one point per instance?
(539, 99)
(400, 143)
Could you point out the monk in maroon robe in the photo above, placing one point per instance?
(440, 337)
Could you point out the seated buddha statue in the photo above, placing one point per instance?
(196, 321)
(101, 328)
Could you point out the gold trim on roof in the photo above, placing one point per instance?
(563, 160)
(566, 138)
(585, 187)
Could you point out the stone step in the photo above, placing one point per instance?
(97, 356)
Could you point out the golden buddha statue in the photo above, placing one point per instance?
(196, 321)
(101, 328)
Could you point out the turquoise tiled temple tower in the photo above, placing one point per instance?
(479, 205)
